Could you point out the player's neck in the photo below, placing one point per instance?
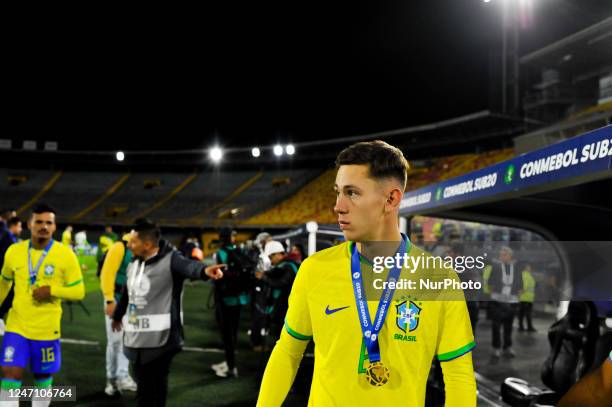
(373, 244)
(40, 244)
(152, 253)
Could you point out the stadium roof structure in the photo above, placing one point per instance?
(578, 52)
(449, 136)
(561, 191)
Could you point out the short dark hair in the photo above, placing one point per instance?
(13, 221)
(147, 230)
(43, 208)
(6, 213)
(383, 160)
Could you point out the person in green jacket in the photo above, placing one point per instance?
(526, 299)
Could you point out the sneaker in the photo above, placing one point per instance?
(111, 388)
(227, 373)
(220, 367)
(126, 384)
(497, 353)
(509, 353)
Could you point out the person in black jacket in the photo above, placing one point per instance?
(8, 236)
(231, 294)
(149, 311)
(279, 278)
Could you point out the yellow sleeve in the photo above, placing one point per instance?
(281, 370)
(74, 288)
(459, 382)
(455, 338)
(287, 354)
(7, 275)
(111, 265)
(297, 321)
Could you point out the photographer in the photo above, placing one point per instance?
(279, 279)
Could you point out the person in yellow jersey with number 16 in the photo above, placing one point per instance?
(44, 272)
(384, 358)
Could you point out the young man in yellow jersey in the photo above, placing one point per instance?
(377, 360)
(44, 272)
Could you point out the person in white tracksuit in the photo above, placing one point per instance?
(112, 279)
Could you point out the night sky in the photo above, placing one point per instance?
(262, 72)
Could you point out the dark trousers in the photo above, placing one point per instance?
(152, 379)
(502, 316)
(473, 309)
(524, 312)
(259, 313)
(228, 318)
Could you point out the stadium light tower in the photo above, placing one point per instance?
(120, 156)
(255, 152)
(290, 149)
(216, 154)
(278, 150)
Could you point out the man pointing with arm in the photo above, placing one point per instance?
(149, 310)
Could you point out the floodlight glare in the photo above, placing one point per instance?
(255, 152)
(120, 156)
(216, 154)
(278, 150)
(290, 149)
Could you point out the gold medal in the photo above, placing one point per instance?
(377, 374)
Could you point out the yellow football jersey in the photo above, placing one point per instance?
(60, 270)
(322, 308)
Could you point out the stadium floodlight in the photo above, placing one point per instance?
(255, 152)
(278, 150)
(216, 154)
(120, 156)
(290, 149)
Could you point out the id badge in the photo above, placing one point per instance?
(132, 318)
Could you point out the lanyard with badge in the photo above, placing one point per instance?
(377, 373)
(34, 270)
(133, 284)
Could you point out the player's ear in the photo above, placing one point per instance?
(394, 198)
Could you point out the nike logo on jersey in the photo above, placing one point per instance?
(331, 311)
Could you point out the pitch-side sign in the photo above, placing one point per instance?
(575, 159)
